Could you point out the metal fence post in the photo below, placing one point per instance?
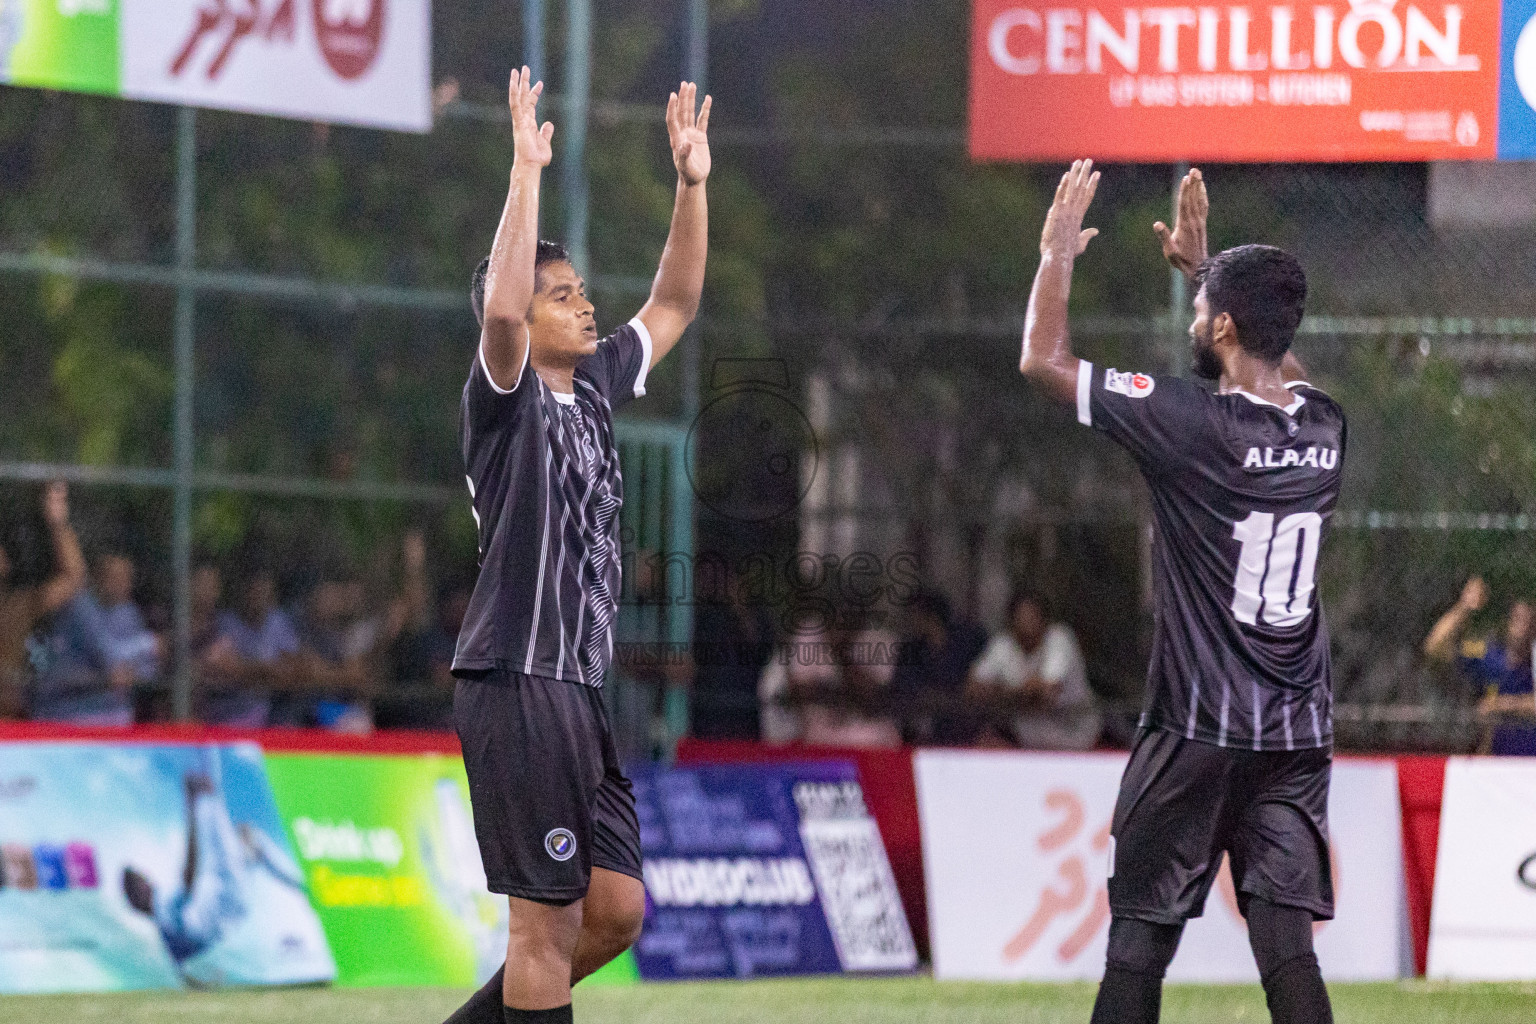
(578, 86)
(185, 344)
(696, 69)
(533, 38)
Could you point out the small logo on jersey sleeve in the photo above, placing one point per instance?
(560, 844)
(1131, 385)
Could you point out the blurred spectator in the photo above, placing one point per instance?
(859, 715)
(423, 666)
(1033, 672)
(802, 663)
(335, 641)
(207, 589)
(934, 660)
(255, 650)
(97, 650)
(23, 607)
(830, 687)
(1499, 666)
(416, 646)
(732, 642)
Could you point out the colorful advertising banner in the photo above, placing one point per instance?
(758, 871)
(387, 845)
(130, 867)
(365, 62)
(1017, 846)
(1272, 80)
(1483, 923)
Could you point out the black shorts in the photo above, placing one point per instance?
(1184, 803)
(549, 798)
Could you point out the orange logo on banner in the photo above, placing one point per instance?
(1344, 80)
(1069, 893)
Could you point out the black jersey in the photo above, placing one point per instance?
(1242, 491)
(545, 488)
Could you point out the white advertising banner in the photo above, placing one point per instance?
(1483, 921)
(1016, 853)
(363, 62)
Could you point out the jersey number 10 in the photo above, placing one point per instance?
(1277, 567)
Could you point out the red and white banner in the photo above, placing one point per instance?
(1483, 923)
(1016, 849)
(1265, 80)
(365, 62)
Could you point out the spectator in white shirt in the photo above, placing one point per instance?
(1032, 677)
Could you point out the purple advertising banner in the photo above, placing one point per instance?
(765, 870)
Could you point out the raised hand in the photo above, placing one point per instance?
(1474, 595)
(1185, 245)
(1064, 234)
(530, 141)
(689, 133)
(413, 549)
(56, 503)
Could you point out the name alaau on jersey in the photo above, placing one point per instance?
(1314, 457)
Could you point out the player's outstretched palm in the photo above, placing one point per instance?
(689, 133)
(1064, 234)
(1185, 245)
(530, 141)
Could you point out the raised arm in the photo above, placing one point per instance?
(674, 300)
(1186, 246)
(509, 279)
(69, 573)
(1440, 645)
(1047, 358)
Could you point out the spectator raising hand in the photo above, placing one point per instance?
(1499, 665)
(23, 607)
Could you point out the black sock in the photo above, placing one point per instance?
(559, 1015)
(1139, 954)
(1282, 947)
(484, 1007)
(1128, 997)
(1296, 994)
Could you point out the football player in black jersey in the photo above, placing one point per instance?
(554, 815)
(1233, 754)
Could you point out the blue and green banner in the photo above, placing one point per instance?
(365, 62)
(145, 866)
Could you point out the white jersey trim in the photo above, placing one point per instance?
(645, 364)
(1289, 410)
(1084, 390)
(564, 397)
(527, 350)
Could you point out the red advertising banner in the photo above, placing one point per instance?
(1349, 80)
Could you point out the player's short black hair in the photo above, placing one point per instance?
(547, 252)
(1027, 595)
(1263, 289)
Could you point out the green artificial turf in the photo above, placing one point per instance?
(835, 1000)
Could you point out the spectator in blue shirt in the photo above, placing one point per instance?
(98, 649)
(255, 652)
(1499, 666)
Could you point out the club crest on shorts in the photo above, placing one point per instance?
(560, 844)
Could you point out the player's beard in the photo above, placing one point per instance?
(1203, 347)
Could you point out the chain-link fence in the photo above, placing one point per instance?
(855, 248)
(1422, 331)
